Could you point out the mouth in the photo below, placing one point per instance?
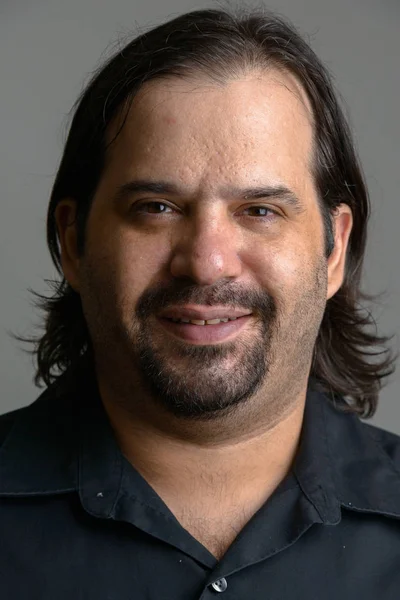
(201, 331)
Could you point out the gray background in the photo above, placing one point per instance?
(48, 49)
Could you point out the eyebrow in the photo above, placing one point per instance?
(279, 192)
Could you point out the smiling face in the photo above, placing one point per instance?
(207, 206)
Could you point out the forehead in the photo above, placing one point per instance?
(194, 128)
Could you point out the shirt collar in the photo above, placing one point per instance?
(63, 442)
(341, 464)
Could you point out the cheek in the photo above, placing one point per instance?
(278, 266)
(287, 272)
(134, 264)
(126, 261)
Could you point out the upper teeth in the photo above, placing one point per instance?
(208, 322)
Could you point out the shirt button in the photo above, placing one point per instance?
(220, 585)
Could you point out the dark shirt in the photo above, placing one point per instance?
(78, 521)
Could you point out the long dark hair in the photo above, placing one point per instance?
(223, 45)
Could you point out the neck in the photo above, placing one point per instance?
(244, 456)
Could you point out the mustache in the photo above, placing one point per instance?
(233, 295)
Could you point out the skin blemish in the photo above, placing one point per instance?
(169, 120)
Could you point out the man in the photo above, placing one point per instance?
(204, 351)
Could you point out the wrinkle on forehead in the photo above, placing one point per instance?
(251, 131)
(153, 94)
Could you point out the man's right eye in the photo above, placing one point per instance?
(151, 208)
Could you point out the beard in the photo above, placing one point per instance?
(204, 382)
(194, 381)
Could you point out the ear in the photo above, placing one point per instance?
(342, 223)
(65, 216)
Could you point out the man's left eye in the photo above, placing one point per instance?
(262, 211)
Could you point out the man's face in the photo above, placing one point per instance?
(201, 241)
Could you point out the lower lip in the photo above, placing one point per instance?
(205, 334)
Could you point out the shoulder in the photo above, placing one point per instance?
(7, 421)
(34, 413)
(51, 405)
(387, 442)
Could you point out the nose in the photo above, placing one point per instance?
(208, 250)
